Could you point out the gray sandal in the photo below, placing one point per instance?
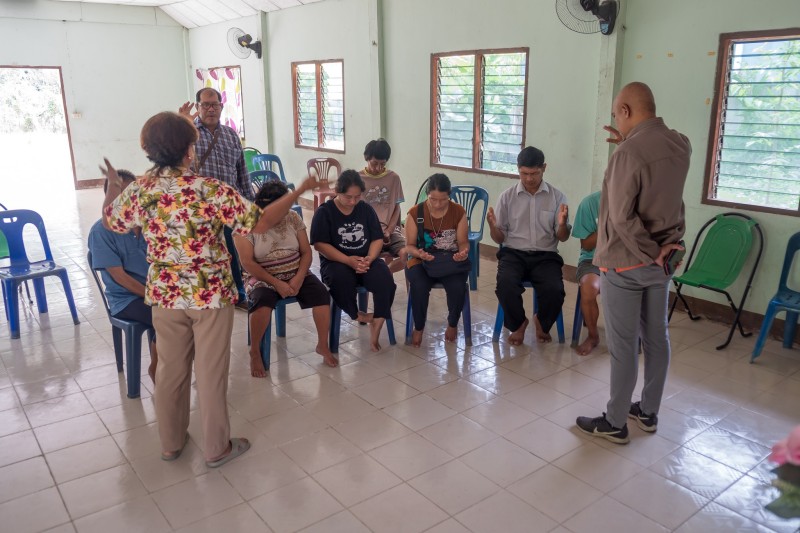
(175, 455)
(238, 447)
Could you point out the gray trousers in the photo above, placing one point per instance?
(634, 307)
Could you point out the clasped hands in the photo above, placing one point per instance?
(290, 288)
(359, 264)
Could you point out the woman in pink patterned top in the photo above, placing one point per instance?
(189, 283)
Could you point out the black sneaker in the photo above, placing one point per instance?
(600, 427)
(648, 423)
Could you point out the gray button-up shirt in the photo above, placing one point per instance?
(529, 221)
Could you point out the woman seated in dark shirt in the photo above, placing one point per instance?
(348, 236)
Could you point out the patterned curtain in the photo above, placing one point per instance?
(228, 81)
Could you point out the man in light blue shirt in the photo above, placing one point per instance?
(530, 219)
(123, 258)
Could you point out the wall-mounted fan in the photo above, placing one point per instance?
(588, 16)
(241, 44)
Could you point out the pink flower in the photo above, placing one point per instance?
(787, 450)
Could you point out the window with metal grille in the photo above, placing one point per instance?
(754, 146)
(318, 88)
(478, 109)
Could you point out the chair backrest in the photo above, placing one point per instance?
(269, 162)
(470, 197)
(422, 193)
(724, 249)
(12, 224)
(791, 249)
(249, 153)
(100, 285)
(322, 167)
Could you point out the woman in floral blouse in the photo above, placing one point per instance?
(189, 283)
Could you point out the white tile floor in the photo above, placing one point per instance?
(443, 438)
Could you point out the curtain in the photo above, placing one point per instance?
(228, 81)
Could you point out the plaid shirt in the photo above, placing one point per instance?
(226, 161)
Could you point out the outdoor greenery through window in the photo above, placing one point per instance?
(478, 109)
(318, 89)
(755, 151)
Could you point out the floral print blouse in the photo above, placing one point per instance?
(182, 218)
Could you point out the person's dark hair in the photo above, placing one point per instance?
(530, 157)
(126, 175)
(166, 137)
(438, 182)
(204, 89)
(347, 179)
(379, 149)
(269, 192)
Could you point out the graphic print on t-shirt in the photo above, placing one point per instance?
(352, 236)
(379, 194)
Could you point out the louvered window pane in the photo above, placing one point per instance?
(757, 160)
(455, 110)
(332, 105)
(503, 111)
(306, 101)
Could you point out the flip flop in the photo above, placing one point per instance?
(238, 447)
(178, 453)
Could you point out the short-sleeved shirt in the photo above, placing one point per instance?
(350, 234)
(277, 251)
(530, 221)
(110, 249)
(182, 217)
(383, 193)
(438, 234)
(226, 161)
(586, 222)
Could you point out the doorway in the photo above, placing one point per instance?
(36, 161)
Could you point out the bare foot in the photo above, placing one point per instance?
(541, 336)
(375, 334)
(586, 347)
(416, 338)
(257, 369)
(364, 318)
(151, 371)
(450, 334)
(516, 338)
(327, 356)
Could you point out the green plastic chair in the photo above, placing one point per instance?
(720, 260)
(422, 193)
(249, 153)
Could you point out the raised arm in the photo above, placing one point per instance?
(275, 211)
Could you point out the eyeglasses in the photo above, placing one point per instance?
(210, 105)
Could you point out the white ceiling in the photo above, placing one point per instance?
(194, 13)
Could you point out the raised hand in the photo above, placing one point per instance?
(491, 219)
(188, 110)
(563, 214)
(309, 184)
(110, 173)
(616, 136)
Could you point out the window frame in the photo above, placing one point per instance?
(320, 122)
(476, 122)
(726, 41)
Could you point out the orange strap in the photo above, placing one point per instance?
(623, 269)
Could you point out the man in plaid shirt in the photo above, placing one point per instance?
(224, 161)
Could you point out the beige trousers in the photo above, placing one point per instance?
(203, 336)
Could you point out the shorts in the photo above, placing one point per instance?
(312, 293)
(397, 241)
(138, 311)
(586, 267)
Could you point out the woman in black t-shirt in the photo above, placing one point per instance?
(348, 236)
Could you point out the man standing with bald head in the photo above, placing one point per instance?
(641, 220)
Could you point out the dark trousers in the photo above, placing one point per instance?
(342, 282)
(236, 267)
(420, 285)
(543, 270)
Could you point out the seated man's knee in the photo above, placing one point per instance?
(590, 287)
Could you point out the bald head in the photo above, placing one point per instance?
(634, 104)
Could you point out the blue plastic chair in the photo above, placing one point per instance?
(259, 177)
(785, 299)
(466, 317)
(469, 197)
(265, 346)
(133, 331)
(336, 321)
(12, 224)
(4, 254)
(273, 163)
(498, 323)
(577, 321)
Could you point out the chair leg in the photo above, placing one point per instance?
(280, 319)
(769, 316)
(498, 324)
(41, 295)
(116, 335)
(265, 347)
(336, 322)
(560, 327)
(736, 321)
(28, 292)
(133, 356)
(473, 272)
(409, 321)
(466, 320)
(12, 306)
(789, 328)
(577, 321)
(5, 300)
(70, 300)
